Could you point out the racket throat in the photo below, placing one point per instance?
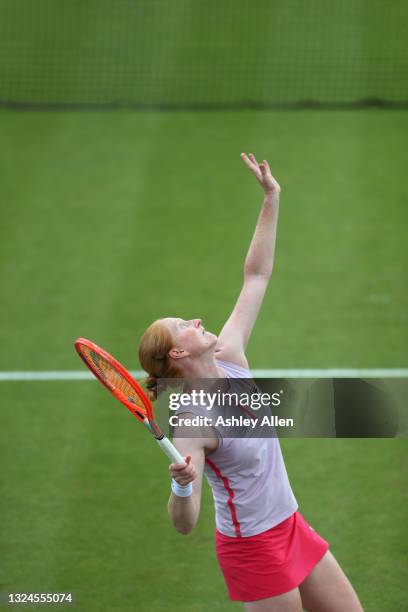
(156, 431)
(152, 427)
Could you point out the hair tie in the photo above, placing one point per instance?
(151, 382)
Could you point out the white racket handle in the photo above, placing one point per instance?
(170, 450)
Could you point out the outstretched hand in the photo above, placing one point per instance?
(262, 174)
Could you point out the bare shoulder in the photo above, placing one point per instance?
(192, 438)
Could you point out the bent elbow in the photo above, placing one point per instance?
(185, 528)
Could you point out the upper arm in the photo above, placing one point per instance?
(196, 447)
(236, 332)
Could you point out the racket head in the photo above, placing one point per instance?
(114, 376)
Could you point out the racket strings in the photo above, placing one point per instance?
(111, 377)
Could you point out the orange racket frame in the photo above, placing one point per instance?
(142, 410)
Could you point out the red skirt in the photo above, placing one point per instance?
(269, 563)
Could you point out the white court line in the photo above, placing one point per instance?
(299, 373)
(334, 373)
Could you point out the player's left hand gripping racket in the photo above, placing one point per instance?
(120, 383)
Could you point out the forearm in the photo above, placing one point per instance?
(259, 260)
(183, 512)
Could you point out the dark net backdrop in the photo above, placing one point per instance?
(203, 53)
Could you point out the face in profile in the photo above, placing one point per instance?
(190, 337)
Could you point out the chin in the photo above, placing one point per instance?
(212, 338)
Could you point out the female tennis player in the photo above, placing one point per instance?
(270, 556)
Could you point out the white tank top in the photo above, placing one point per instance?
(248, 479)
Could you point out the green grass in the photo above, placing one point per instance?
(111, 220)
(84, 508)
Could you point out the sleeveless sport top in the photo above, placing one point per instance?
(248, 478)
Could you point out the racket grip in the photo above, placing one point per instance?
(170, 450)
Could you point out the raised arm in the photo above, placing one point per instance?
(236, 332)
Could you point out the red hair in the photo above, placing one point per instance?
(154, 348)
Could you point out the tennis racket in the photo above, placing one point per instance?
(122, 385)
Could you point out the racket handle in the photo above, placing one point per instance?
(170, 450)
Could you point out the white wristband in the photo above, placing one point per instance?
(181, 490)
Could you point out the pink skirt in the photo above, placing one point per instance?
(269, 563)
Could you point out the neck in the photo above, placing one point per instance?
(203, 366)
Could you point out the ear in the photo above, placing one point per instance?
(175, 353)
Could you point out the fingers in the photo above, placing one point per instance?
(183, 473)
(249, 160)
(180, 466)
(246, 159)
(187, 460)
(252, 164)
(262, 173)
(253, 159)
(264, 166)
(258, 169)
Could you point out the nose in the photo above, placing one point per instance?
(197, 322)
